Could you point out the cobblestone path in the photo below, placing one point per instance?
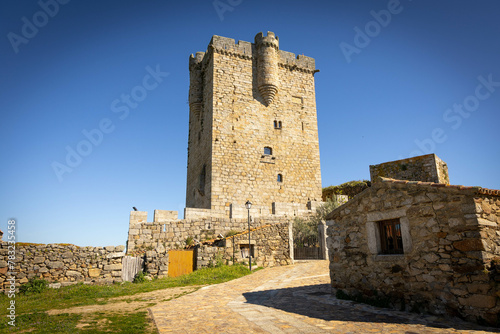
(291, 299)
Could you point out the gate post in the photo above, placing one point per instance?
(322, 240)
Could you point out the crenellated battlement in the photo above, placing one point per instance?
(271, 40)
(289, 60)
(195, 60)
(247, 50)
(227, 45)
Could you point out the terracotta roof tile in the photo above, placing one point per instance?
(479, 190)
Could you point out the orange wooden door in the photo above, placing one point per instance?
(180, 262)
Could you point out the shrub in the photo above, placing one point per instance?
(351, 189)
(217, 261)
(189, 241)
(305, 231)
(34, 285)
(140, 277)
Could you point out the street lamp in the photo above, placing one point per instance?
(248, 205)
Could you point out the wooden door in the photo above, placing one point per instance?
(180, 262)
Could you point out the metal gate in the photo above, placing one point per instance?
(180, 262)
(306, 245)
(130, 267)
(307, 253)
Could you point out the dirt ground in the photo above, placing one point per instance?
(134, 303)
(125, 304)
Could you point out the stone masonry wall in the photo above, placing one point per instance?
(450, 238)
(154, 239)
(63, 264)
(271, 245)
(427, 168)
(254, 96)
(171, 233)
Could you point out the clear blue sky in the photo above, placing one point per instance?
(395, 79)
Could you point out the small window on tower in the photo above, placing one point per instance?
(280, 178)
(268, 150)
(277, 125)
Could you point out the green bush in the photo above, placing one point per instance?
(140, 277)
(305, 231)
(217, 261)
(34, 285)
(189, 241)
(351, 188)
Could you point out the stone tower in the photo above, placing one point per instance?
(253, 132)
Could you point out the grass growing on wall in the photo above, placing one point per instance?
(351, 189)
(31, 307)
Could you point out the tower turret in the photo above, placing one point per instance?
(267, 65)
(196, 83)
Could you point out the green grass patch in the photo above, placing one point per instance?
(94, 323)
(42, 323)
(116, 323)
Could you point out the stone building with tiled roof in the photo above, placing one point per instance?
(420, 246)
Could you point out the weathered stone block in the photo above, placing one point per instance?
(115, 255)
(71, 273)
(119, 248)
(468, 245)
(94, 272)
(479, 301)
(55, 265)
(113, 267)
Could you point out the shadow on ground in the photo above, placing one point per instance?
(316, 301)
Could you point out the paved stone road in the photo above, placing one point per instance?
(291, 299)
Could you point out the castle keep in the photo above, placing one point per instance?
(253, 131)
(253, 135)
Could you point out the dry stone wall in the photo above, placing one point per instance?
(272, 246)
(153, 240)
(169, 233)
(62, 264)
(451, 240)
(428, 168)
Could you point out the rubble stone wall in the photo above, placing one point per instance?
(451, 240)
(427, 168)
(60, 263)
(172, 233)
(271, 247)
(154, 239)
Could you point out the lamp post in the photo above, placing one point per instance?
(248, 205)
